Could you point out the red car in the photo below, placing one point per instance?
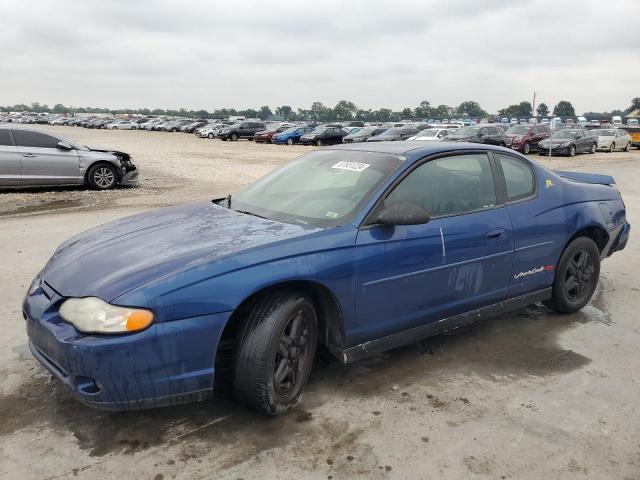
(265, 136)
(525, 138)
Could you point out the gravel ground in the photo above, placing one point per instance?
(527, 395)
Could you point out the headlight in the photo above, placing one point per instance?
(93, 315)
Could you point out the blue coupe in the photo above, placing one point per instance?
(359, 248)
(292, 135)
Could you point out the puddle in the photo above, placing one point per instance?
(12, 208)
(516, 345)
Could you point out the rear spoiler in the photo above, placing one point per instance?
(588, 177)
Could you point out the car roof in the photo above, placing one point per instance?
(413, 149)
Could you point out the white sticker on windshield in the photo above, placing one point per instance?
(353, 166)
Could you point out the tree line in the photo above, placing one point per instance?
(342, 111)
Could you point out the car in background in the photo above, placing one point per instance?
(632, 122)
(432, 134)
(582, 121)
(568, 141)
(241, 130)
(121, 125)
(616, 120)
(611, 139)
(525, 138)
(31, 157)
(362, 134)
(356, 249)
(214, 130)
(265, 136)
(594, 123)
(323, 136)
(292, 135)
(191, 127)
(487, 134)
(394, 134)
(514, 121)
(176, 125)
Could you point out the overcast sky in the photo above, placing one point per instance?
(213, 54)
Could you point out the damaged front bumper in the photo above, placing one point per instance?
(169, 363)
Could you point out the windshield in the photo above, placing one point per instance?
(362, 131)
(467, 131)
(518, 130)
(318, 130)
(560, 134)
(391, 132)
(320, 188)
(429, 132)
(603, 133)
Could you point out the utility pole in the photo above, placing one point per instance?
(533, 105)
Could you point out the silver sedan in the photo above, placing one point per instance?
(31, 157)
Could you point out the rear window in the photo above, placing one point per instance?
(518, 177)
(25, 138)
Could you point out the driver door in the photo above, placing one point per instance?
(409, 275)
(43, 163)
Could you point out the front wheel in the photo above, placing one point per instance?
(576, 276)
(102, 176)
(210, 136)
(234, 137)
(275, 351)
(572, 151)
(527, 148)
(628, 147)
(612, 147)
(593, 149)
(289, 141)
(319, 143)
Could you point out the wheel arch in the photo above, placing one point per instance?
(328, 308)
(100, 162)
(596, 233)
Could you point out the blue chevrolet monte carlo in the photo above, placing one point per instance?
(359, 248)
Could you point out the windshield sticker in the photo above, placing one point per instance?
(332, 215)
(353, 166)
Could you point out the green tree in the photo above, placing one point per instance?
(319, 112)
(542, 110)
(423, 110)
(470, 109)
(564, 109)
(441, 111)
(407, 114)
(521, 110)
(344, 110)
(265, 112)
(59, 108)
(382, 115)
(284, 111)
(635, 105)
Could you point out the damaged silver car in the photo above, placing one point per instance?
(32, 158)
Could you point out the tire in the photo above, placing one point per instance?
(102, 176)
(289, 141)
(319, 143)
(502, 144)
(572, 151)
(210, 136)
(594, 147)
(174, 130)
(234, 137)
(576, 276)
(278, 338)
(628, 147)
(612, 147)
(526, 149)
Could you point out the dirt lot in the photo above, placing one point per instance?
(527, 395)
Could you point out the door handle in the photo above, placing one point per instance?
(29, 155)
(497, 234)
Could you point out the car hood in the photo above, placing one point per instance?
(459, 138)
(558, 141)
(119, 256)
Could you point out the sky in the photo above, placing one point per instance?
(245, 54)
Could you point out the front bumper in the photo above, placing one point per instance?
(169, 363)
(554, 150)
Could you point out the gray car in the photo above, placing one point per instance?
(31, 157)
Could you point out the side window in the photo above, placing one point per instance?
(25, 138)
(5, 138)
(492, 131)
(483, 131)
(518, 177)
(448, 186)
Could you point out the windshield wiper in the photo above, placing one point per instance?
(247, 212)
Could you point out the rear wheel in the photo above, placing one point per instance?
(594, 147)
(628, 147)
(210, 136)
(319, 143)
(275, 351)
(576, 276)
(102, 176)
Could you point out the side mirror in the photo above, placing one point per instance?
(403, 213)
(64, 146)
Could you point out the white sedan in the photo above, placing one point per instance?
(432, 134)
(122, 125)
(611, 139)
